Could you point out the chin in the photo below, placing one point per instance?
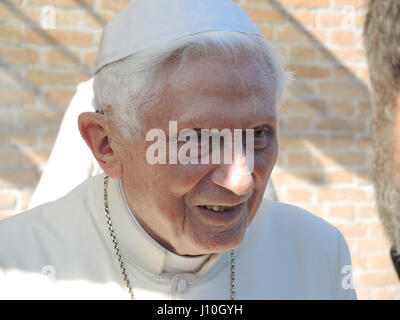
(223, 241)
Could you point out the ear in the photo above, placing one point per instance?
(94, 130)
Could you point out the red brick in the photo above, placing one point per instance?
(339, 125)
(306, 3)
(96, 20)
(10, 34)
(340, 142)
(379, 261)
(366, 211)
(19, 55)
(289, 34)
(35, 157)
(343, 37)
(16, 96)
(340, 176)
(348, 158)
(364, 108)
(45, 77)
(47, 139)
(330, 19)
(298, 195)
(9, 158)
(335, 194)
(373, 278)
(344, 55)
(302, 53)
(116, 5)
(384, 293)
(59, 97)
(302, 142)
(309, 71)
(89, 58)
(20, 138)
(352, 229)
(375, 244)
(340, 211)
(296, 178)
(65, 3)
(270, 15)
(18, 179)
(301, 107)
(58, 37)
(66, 17)
(314, 208)
(340, 4)
(344, 91)
(33, 118)
(304, 17)
(299, 123)
(61, 58)
(299, 159)
(342, 108)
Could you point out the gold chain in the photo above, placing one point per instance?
(121, 262)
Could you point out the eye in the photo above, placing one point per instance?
(260, 133)
(262, 136)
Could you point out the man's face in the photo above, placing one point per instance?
(169, 200)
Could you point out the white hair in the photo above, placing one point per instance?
(126, 88)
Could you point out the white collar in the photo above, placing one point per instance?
(137, 247)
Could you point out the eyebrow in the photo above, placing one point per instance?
(194, 122)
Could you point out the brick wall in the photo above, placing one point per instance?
(325, 133)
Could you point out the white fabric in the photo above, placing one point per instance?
(143, 24)
(71, 162)
(174, 263)
(287, 253)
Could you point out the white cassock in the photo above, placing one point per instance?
(63, 249)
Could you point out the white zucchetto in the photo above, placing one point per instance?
(143, 24)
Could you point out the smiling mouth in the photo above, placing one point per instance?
(220, 208)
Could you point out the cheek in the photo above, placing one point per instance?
(185, 177)
(264, 162)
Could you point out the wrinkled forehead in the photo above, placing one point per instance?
(247, 70)
(212, 89)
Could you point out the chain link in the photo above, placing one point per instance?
(114, 240)
(121, 262)
(233, 275)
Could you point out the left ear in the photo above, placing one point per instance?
(94, 130)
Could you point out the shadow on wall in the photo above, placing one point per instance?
(34, 94)
(324, 122)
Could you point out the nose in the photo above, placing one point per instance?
(235, 177)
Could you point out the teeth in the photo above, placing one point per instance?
(218, 208)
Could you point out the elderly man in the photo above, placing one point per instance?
(382, 43)
(162, 224)
(69, 141)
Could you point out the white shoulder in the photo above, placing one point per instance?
(297, 221)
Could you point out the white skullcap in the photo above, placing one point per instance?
(145, 23)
